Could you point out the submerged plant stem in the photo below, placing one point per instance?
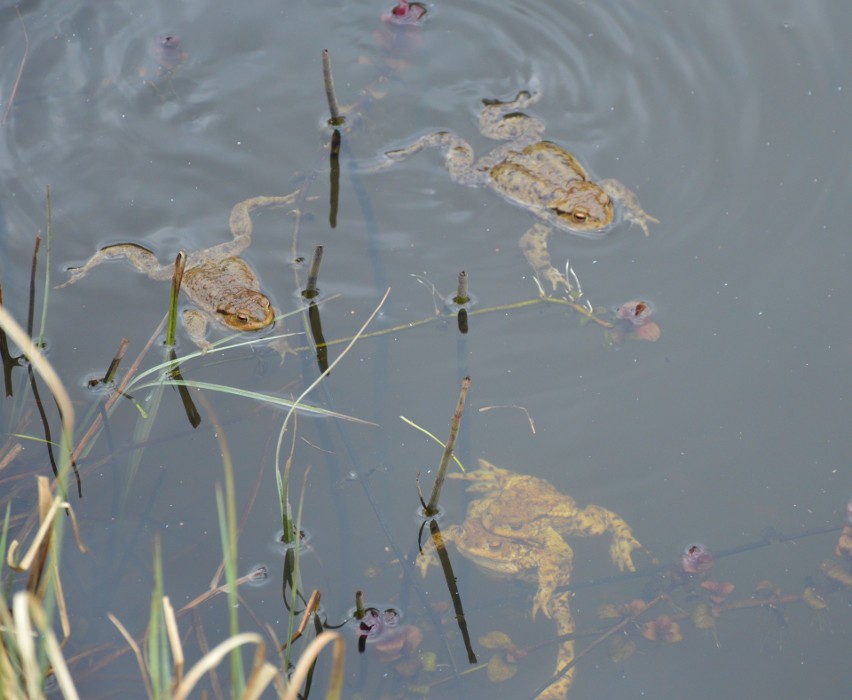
(328, 80)
(432, 506)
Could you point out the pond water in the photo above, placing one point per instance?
(729, 121)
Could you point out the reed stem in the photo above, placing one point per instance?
(328, 80)
(177, 279)
(432, 506)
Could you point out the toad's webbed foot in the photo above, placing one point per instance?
(632, 210)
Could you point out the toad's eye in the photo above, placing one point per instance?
(242, 316)
(580, 214)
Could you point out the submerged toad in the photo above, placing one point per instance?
(220, 284)
(537, 175)
(516, 528)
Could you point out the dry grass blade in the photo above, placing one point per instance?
(306, 660)
(36, 546)
(211, 660)
(310, 609)
(208, 594)
(262, 674)
(136, 651)
(9, 680)
(20, 68)
(174, 638)
(25, 638)
(520, 408)
(9, 457)
(38, 551)
(54, 651)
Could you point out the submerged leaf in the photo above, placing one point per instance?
(621, 649)
(844, 543)
(766, 589)
(496, 640)
(500, 669)
(429, 659)
(673, 634)
(702, 617)
(608, 612)
(836, 571)
(649, 331)
(649, 631)
(814, 600)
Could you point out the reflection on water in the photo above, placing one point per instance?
(724, 120)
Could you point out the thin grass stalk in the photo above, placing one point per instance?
(434, 437)
(296, 583)
(137, 652)
(228, 536)
(158, 663)
(266, 398)
(283, 480)
(289, 535)
(228, 529)
(4, 536)
(17, 82)
(47, 267)
(141, 435)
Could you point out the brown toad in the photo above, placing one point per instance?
(537, 175)
(220, 284)
(516, 529)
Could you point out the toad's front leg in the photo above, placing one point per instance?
(195, 323)
(633, 211)
(594, 520)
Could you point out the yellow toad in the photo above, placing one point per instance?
(516, 528)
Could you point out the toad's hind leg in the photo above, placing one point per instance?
(241, 224)
(141, 258)
(502, 120)
(561, 612)
(459, 156)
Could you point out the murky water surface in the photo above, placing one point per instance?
(730, 122)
